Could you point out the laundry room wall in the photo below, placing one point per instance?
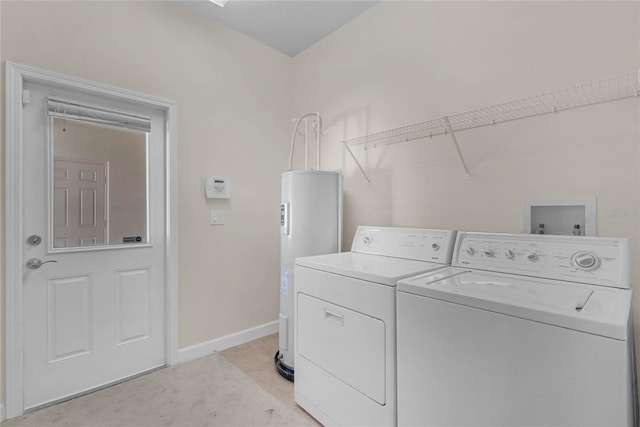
(406, 62)
(233, 96)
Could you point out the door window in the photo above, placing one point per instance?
(98, 181)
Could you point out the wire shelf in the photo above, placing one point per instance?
(607, 90)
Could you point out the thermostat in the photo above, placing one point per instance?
(217, 188)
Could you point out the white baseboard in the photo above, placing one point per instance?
(218, 344)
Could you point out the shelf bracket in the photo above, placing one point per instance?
(353, 156)
(455, 144)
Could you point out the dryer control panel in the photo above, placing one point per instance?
(594, 260)
(420, 244)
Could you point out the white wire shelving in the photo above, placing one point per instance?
(597, 92)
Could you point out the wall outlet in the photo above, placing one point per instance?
(217, 217)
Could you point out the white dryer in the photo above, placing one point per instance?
(345, 308)
(523, 330)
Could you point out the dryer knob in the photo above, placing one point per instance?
(489, 252)
(471, 251)
(435, 246)
(509, 254)
(586, 261)
(532, 257)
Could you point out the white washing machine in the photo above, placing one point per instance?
(345, 307)
(522, 330)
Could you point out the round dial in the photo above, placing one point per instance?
(488, 252)
(435, 246)
(509, 254)
(585, 261)
(471, 251)
(532, 257)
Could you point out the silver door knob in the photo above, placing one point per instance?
(35, 263)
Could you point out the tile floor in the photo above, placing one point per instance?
(236, 387)
(255, 359)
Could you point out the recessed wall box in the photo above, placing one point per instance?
(217, 188)
(559, 216)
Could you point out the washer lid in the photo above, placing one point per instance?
(373, 268)
(593, 309)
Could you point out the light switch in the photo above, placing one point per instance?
(217, 217)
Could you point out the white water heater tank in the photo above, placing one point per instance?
(310, 224)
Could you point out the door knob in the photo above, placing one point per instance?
(35, 263)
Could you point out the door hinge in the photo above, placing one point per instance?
(26, 97)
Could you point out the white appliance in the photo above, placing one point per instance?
(310, 224)
(345, 322)
(522, 330)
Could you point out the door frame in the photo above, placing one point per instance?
(15, 77)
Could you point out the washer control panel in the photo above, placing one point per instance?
(586, 261)
(594, 260)
(420, 244)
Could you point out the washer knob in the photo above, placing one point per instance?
(586, 261)
(509, 254)
(435, 246)
(532, 257)
(489, 252)
(471, 251)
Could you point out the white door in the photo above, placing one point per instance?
(79, 203)
(96, 314)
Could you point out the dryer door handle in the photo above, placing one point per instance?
(333, 317)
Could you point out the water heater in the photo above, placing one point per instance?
(310, 224)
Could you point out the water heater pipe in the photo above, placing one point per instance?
(293, 137)
(319, 124)
(306, 144)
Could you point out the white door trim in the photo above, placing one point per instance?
(16, 75)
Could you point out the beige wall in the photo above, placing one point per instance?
(233, 96)
(406, 62)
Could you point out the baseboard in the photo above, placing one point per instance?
(218, 344)
(2, 412)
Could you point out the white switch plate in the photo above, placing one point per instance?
(217, 217)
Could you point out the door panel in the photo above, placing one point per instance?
(70, 310)
(79, 203)
(96, 315)
(132, 305)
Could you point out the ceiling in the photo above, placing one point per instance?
(289, 26)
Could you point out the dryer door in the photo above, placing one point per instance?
(345, 343)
